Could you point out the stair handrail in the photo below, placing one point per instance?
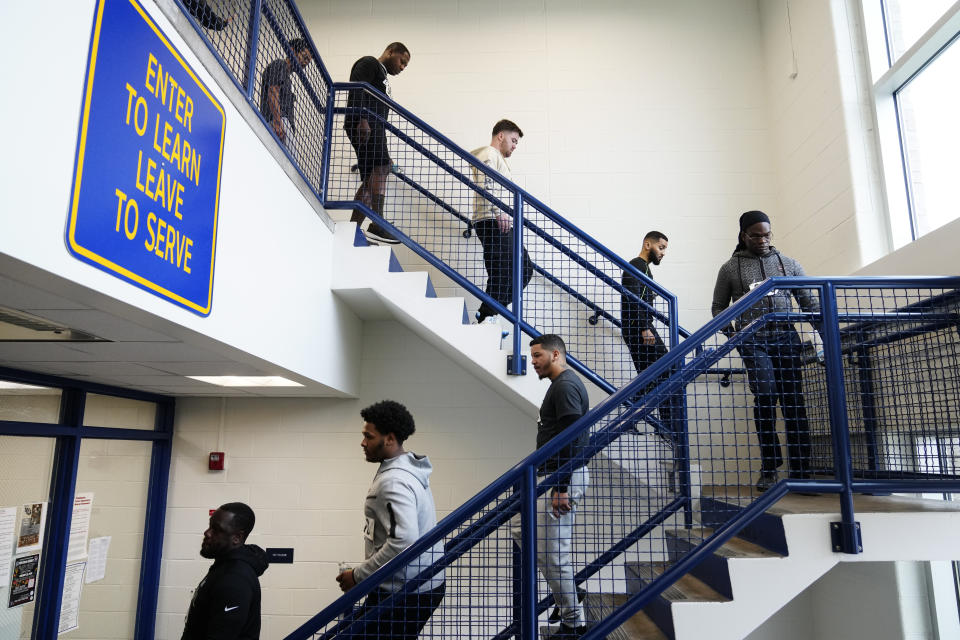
(513, 187)
(674, 360)
(322, 100)
(513, 476)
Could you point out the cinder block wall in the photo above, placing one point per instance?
(298, 463)
(637, 115)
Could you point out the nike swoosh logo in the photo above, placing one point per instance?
(226, 609)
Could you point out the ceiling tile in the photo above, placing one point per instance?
(17, 295)
(102, 325)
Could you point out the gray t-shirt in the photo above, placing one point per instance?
(565, 401)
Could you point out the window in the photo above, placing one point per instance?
(928, 105)
(915, 58)
(907, 20)
(60, 441)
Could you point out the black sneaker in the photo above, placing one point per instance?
(767, 479)
(555, 614)
(376, 233)
(564, 632)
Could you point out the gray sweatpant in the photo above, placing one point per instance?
(554, 540)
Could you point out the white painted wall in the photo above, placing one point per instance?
(858, 601)
(933, 254)
(298, 463)
(828, 211)
(637, 114)
(273, 248)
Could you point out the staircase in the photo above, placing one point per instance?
(372, 282)
(671, 541)
(751, 576)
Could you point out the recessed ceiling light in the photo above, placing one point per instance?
(16, 385)
(247, 381)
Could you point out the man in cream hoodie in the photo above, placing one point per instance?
(493, 225)
(399, 509)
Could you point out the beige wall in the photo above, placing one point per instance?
(637, 114)
(298, 463)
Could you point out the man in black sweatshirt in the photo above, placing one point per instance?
(226, 603)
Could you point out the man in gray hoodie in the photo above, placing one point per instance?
(771, 356)
(399, 509)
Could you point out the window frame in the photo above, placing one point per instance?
(888, 79)
(68, 432)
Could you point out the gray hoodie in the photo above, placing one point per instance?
(398, 510)
(743, 269)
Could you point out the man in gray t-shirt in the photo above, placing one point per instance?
(565, 402)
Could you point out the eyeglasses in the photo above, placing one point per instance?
(760, 236)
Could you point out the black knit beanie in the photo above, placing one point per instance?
(747, 220)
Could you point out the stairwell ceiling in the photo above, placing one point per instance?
(47, 333)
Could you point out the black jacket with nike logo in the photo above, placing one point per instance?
(226, 604)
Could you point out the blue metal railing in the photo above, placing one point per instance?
(580, 271)
(486, 513)
(451, 181)
(583, 274)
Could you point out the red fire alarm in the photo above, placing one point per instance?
(217, 458)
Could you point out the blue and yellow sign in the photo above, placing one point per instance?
(149, 153)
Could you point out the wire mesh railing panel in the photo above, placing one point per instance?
(902, 351)
(676, 461)
(763, 422)
(289, 88)
(226, 23)
(472, 596)
(576, 292)
(427, 190)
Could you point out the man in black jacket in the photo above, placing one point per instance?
(637, 321)
(226, 603)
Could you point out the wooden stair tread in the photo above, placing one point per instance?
(687, 589)
(829, 503)
(732, 548)
(637, 627)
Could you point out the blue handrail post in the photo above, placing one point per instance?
(515, 365)
(865, 367)
(517, 558)
(681, 439)
(674, 323)
(327, 144)
(850, 541)
(253, 43)
(528, 546)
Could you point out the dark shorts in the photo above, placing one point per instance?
(372, 152)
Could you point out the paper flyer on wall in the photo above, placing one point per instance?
(79, 526)
(70, 604)
(23, 580)
(33, 517)
(8, 527)
(97, 560)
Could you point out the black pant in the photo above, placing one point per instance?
(498, 259)
(774, 370)
(401, 620)
(643, 356)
